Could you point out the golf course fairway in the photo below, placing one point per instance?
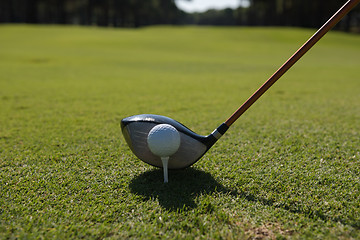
(288, 168)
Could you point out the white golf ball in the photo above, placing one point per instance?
(163, 140)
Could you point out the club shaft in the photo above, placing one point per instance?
(293, 59)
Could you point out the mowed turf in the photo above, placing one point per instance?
(288, 168)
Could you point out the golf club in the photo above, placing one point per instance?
(193, 146)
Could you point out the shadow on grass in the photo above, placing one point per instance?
(181, 190)
(185, 185)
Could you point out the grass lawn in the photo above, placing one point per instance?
(288, 168)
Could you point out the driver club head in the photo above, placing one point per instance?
(192, 146)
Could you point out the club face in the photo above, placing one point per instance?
(192, 146)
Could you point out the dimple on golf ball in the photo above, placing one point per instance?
(163, 140)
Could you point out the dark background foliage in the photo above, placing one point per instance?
(137, 13)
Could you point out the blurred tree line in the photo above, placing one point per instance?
(136, 13)
(117, 13)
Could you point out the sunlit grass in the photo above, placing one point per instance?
(288, 168)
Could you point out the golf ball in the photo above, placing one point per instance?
(163, 140)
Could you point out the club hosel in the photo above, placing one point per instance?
(217, 134)
(221, 130)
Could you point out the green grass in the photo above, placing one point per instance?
(288, 168)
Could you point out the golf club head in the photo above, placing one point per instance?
(192, 146)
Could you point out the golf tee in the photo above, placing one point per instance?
(165, 161)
